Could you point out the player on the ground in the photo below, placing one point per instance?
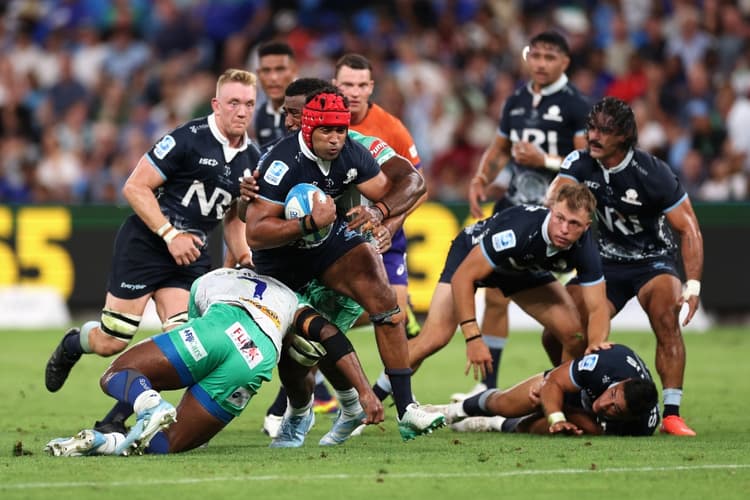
(541, 123)
(638, 199)
(516, 250)
(354, 79)
(322, 154)
(277, 68)
(609, 391)
(180, 190)
(236, 334)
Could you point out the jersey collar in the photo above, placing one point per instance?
(549, 89)
(276, 113)
(229, 151)
(551, 249)
(617, 168)
(323, 165)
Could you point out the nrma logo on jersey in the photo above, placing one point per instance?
(219, 201)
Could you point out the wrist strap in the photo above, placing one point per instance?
(466, 321)
(692, 287)
(384, 209)
(170, 235)
(163, 229)
(556, 417)
(477, 336)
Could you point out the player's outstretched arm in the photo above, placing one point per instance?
(682, 218)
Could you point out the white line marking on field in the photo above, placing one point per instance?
(327, 477)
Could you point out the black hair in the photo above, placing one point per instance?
(621, 119)
(551, 38)
(640, 395)
(275, 48)
(354, 61)
(305, 86)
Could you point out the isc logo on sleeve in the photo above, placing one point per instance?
(504, 240)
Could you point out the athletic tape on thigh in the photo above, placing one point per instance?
(120, 325)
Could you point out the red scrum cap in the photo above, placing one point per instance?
(324, 110)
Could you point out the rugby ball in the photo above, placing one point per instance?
(299, 202)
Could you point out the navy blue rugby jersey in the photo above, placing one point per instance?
(516, 240)
(595, 373)
(201, 174)
(551, 124)
(291, 162)
(268, 125)
(632, 201)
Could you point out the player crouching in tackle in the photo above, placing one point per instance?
(222, 355)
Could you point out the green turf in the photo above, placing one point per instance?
(238, 464)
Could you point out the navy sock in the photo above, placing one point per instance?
(473, 406)
(400, 388)
(127, 385)
(380, 392)
(671, 410)
(72, 345)
(159, 444)
(510, 424)
(321, 392)
(490, 380)
(119, 413)
(278, 407)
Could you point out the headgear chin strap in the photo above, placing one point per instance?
(324, 110)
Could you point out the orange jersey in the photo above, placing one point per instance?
(383, 125)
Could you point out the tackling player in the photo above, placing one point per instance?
(239, 322)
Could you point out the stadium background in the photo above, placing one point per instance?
(87, 86)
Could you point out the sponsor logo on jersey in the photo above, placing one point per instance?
(244, 344)
(592, 185)
(264, 309)
(517, 111)
(239, 398)
(553, 114)
(164, 146)
(132, 286)
(208, 161)
(192, 344)
(276, 172)
(631, 197)
(195, 128)
(504, 240)
(376, 147)
(588, 363)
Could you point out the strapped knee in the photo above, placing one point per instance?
(308, 345)
(122, 326)
(174, 321)
(392, 317)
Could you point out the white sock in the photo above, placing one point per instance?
(672, 396)
(384, 382)
(296, 412)
(349, 402)
(112, 440)
(145, 401)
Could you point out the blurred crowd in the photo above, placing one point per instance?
(87, 86)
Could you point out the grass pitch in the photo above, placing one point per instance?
(238, 463)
